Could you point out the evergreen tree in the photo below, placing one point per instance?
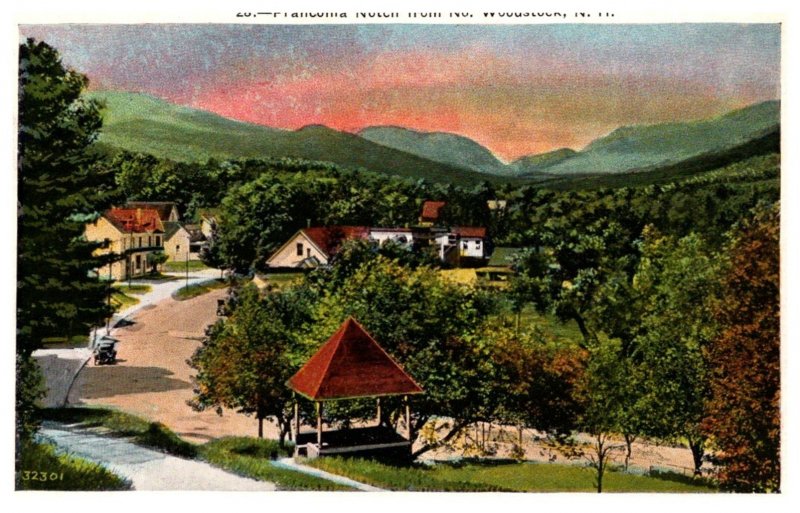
(61, 186)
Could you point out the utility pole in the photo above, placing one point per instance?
(187, 270)
(110, 288)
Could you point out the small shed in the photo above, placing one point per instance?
(352, 365)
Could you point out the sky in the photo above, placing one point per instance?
(516, 89)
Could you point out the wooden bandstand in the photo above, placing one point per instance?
(351, 365)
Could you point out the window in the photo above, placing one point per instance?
(465, 245)
(139, 260)
(140, 241)
(149, 241)
(477, 244)
(158, 240)
(299, 249)
(177, 248)
(308, 252)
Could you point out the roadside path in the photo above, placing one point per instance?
(146, 468)
(290, 464)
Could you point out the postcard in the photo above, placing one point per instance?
(475, 248)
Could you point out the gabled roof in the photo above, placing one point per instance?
(431, 210)
(351, 364)
(195, 233)
(478, 232)
(329, 238)
(164, 208)
(171, 228)
(134, 220)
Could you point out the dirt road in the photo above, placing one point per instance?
(152, 379)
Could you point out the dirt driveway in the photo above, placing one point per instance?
(152, 379)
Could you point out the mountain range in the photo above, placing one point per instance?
(142, 123)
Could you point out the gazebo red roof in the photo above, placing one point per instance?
(349, 365)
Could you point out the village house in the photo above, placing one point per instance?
(461, 245)
(314, 246)
(431, 214)
(196, 240)
(167, 210)
(134, 234)
(208, 223)
(177, 241)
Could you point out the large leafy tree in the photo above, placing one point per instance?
(677, 280)
(61, 187)
(436, 336)
(743, 415)
(244, 362)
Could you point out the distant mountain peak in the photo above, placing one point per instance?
(444, 147)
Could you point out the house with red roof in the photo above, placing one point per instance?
(431, 213)
(131, 233)
(314, 246)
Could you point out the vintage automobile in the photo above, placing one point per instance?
(105, 352)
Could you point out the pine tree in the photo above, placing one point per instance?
(61, 187)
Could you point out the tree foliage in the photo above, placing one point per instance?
(61, 187)
(677, 281)
(743, 415)
(245, 361)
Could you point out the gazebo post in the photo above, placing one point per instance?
(408, 416)
(296, 419)
(379, 411)
(319, 424)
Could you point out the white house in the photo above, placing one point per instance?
(471, 241)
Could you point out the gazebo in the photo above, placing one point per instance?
(351, 365)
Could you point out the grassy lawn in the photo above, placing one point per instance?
(40, 467)
(198, 289)
(64, 342)
(142, 432)
(194, 265)
(566, 333)
(500, 476)
(138, 289)
(121, 301)
(252, 457)
(157, 277)
(280, 280)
